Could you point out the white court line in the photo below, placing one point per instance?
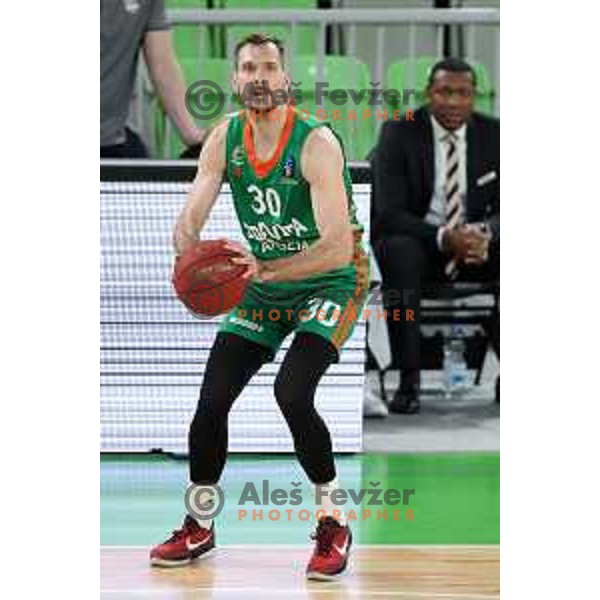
(304, 591)
(359, 546)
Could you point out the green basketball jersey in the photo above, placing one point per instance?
(272, 199)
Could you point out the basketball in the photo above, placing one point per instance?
(206, 279)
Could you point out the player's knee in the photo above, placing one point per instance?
(212, 409)
(289, 397)
(279, 389)
(204, 420)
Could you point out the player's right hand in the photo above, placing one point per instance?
(245, 258)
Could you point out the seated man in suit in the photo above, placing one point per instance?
(436, 207)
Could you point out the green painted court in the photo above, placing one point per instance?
(456, 499)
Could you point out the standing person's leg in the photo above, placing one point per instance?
(232, 362)
(305, 363)
(330, 315)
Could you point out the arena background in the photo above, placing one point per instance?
(152, 350)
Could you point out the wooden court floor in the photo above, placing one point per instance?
(271, 571)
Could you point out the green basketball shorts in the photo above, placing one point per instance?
(328, 305)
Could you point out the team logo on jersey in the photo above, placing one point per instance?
(288, 172)
(237, 156)
(288, 167)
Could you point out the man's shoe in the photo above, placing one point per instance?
(406, 401)
(184, 546)
(332, 549)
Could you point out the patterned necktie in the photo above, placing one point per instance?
(453, 201)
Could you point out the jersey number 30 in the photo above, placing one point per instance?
(265, 201)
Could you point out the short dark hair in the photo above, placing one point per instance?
(454, 65)
(258, 39)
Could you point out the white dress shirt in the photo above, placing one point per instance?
(437, 209)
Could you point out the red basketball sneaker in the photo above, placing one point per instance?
(184, 546)
(330, 557)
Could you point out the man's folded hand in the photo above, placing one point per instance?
(468, 243)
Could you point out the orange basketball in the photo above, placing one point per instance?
(207, 281)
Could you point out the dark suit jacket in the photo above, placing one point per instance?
(403, 166)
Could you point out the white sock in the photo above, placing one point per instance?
(204, 498)
(323, 498)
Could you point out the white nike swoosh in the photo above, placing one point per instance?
(192, 547)
(344, 549)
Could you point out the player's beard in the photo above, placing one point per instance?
(261, 103)
(263, 111)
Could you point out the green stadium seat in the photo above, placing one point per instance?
(340, 72)
(306, 37)
(214, 69)
(194, 40)
(194, 69)
(399, 77)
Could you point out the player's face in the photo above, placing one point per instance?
(257, 65)
(451, 97)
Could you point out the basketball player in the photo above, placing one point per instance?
(292, 194)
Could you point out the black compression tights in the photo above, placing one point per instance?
(232, 362)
